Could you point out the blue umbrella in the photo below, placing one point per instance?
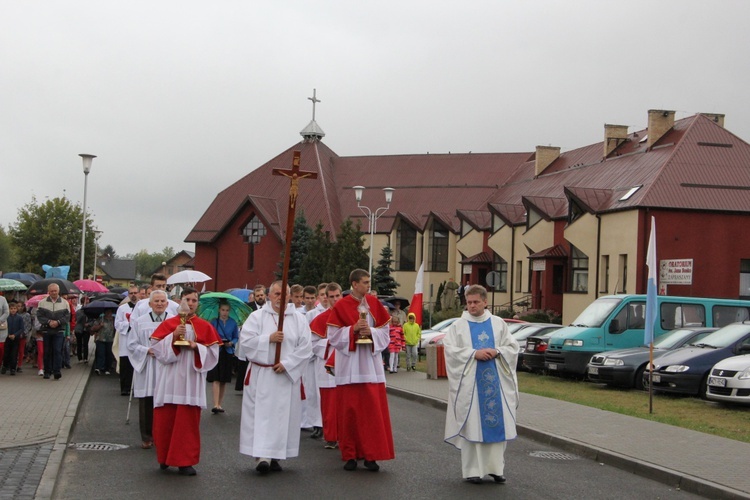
(208, 306)
(241, 293)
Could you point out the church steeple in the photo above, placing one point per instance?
(313, 132)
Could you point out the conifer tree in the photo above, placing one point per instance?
(348, 253)
(382, 280)
(316, 263)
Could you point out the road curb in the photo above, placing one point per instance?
(46, 488)
(638, 467)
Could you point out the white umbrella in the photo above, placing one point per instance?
(188, 276)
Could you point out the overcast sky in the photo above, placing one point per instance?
(179, 99)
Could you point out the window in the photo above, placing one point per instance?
(532, 218)
(745, 279)
(630, 317)
(604, 274)
(406, 248)
(675, 315)
(438, 247)
(579, 265)
(501, 266)
(723, 315)
(574, 212)
(519, 272)
(497, 223)
(622, 273)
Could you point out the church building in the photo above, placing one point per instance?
(555, 229)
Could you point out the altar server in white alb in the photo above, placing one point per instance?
(144, 363)
(271, 403)
(480, 358)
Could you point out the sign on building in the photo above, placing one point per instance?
(676, 272)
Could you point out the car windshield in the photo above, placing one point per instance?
(443, 324)
(514, 327)
(595, 314)
(724, 337)
(675, 338)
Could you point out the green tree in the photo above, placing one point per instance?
(146, 263)
(300, 247)
(50, 233)
(316, 265)
(7, 251)
(348, 253)
(382, 280)
(109, 252)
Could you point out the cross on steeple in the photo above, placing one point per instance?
(314, 100)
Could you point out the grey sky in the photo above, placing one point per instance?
(179, 99)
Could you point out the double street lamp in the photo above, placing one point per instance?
(87, 159)
(372, 217)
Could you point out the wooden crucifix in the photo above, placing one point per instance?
(294, 174)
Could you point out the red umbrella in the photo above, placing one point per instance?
(35, 300)
(90, 286)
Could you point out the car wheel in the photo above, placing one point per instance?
(703, 388)
(638, 382)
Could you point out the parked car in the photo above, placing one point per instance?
(729, 380)
(685, 370)
(438, 339)
(624, 367)
(429, 334)
(533, 345)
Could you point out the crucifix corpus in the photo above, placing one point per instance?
(294, 174)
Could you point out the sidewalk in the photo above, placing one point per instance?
(37, 419)
(700, 463)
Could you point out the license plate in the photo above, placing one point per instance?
(552, 366)
(593, 370)
(719, 382)
(656, 378)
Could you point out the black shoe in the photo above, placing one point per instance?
(350, 465)
(220, 410)
(163, 466)
(187, 471)
(19, 370)
(12, 372)
(97, 371)
(372, 465)
(214, 410)
(263, 467)
(46, 377)
(474, 480)
(3, 370)
(58, 376)
(498, 479)
(316, 433)
(124, 393)
(275, 466)
(330, 445)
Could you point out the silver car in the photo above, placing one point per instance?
(729, 380)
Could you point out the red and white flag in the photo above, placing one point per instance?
(416, 301)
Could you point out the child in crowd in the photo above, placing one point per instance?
(396, 344)
(15, 331)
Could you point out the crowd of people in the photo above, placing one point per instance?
(316, 363)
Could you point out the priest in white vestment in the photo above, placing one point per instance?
(271, 403)
(144, 363)
(480, 358)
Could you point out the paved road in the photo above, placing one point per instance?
(425, 467)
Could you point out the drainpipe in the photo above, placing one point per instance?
(598, 254)
(216, 267)
(512, 263)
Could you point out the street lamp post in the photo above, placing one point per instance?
(372, 217)
(87, 159)
(96, 250)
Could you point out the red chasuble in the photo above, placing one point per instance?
(345, 313)
(205, 333)
(319, 325)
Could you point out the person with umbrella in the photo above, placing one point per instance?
(221, 375)
(53, 314)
